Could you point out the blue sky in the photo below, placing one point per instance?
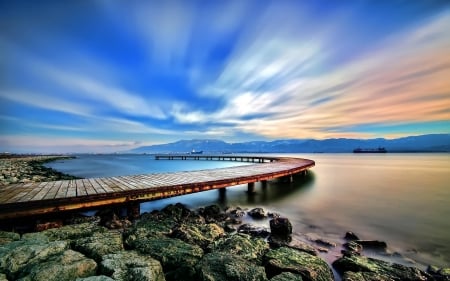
(104, 76)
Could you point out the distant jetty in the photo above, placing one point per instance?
(370, 150)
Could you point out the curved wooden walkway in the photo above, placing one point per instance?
(19, 200)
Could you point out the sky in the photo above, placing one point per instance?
(106, 76)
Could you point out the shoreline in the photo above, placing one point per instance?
(177, 243)
(30, 168)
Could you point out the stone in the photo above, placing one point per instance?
(228, 267)
(66, 266)
(357, 263)
(365, 276)
(99, 244)
(257, 213)
(253, 230)
(177, 257)
(353, 247)
(110, 220)
(350, 236)
(95, 278)
(311, 268)
(130, 265)
(287, 276)
(201, 235)
(242, 245)
(3, 277)
(177, 212)
(325, 243)
(68, 232)
(7, 237)
(372, 244)
(280, 227)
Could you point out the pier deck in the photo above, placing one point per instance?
(18, 200)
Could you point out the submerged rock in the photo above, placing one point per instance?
(280, 227)
(253, 230)
(99, 244)
(228, 267)
(311, 268)
(372, 244)
(129, 265)
(356, 263)
(257, 213)
(242, 245)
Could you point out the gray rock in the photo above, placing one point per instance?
(7, 237)
(287, 276)
(311, 268)
(243, 245)
(66, 266)
(99, 244)
(129, 265)
(227, 267)
(394, 271)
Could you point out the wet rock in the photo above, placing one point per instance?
(322, 249)
(372, 244)
(130, 265)
(243, 245)
(439, 274)
(227, 267)
(394, 271)
(350, 236)
(66, 266)
(201, 235)
(177, 257)
(273, 215)
(287, 276)
(353, 247)
(325, 243)
(237, 213)
(229, 228)
(7, 237)
(280, 227)
(95, 278)
(253, 230)
(99, 244)
(177, 212)
(257, 213)
(365, 276)
(302, 246)
(311, 268)
(68, 232)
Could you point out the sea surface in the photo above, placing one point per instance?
(403, 199)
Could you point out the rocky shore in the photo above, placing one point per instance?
(24, 169)
(175, 243)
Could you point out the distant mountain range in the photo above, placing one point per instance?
(423, 143)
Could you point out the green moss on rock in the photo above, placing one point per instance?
(7, 237)
(201, 235)
(311, 268)
(68, 232)
(243, 245)
(287, 276)
(99, 244)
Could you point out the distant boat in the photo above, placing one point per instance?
(196, 152)
(370, 150)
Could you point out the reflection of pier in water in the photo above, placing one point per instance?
(18, 200)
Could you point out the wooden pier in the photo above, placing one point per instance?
(19, 200)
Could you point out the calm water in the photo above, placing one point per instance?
(402, 199)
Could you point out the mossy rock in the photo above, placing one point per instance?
(7, 237)
(365, 276)
(357, 263)
(95, 278)
(243, 245)
(3, 277)
(287, 276)
(66, 266)
(177, 257)
(130, 265)
(99, 244)
(311, 268)
(228, 267)
(68, 232)
(201, 235)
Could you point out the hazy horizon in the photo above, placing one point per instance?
(102, 76)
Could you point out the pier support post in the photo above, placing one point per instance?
(133, 210)
(251, 187)
(222, 191)
(264, 184)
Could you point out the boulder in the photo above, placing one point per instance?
(280, 227)
(68, 232)
(95, 278)
(365, 276)
(7, 237)
(201, 235)
(177, 212)
(130, 265)
(352, 247)
(99, 244)
(3, 277)
(18, 257)
(66, 266)
(228, 267)
(257, 213)
(287, 276)
(276, 242)
(177, 257)
(253, 230)
(357, 263)
(350, 236)
(242, 245)
(311, 268)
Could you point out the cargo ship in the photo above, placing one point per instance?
(370, 150)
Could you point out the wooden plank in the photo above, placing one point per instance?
(62, 191)
(71, 189)
(43, 191)
(98, 188)
(53, 191)
(104, 185)
(34, 190)
(81, 190)
(90, 190)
